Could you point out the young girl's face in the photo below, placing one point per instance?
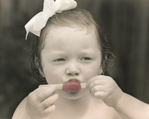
(69, 53)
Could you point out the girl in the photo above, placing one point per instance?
(70, 49)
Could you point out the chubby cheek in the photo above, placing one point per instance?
(53, 75)
(91, 72)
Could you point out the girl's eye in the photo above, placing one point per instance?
(85, 58)
(59, 60)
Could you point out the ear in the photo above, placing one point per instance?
(38, 65)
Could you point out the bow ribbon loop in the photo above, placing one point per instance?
(65, 5)
(50, 8)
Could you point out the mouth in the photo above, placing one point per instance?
(73, 85)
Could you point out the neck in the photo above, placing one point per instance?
(78, 108)
(74, 106)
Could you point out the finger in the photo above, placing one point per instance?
(38, 90)
(46, 93)
(95, 78)
(32, 97)
(98, 82)
(97, 89)
(49, 110)
(91, 80)
(49, 101)
(100, 95)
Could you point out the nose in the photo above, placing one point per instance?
(73, 69)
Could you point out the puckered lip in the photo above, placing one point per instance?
(74, 79)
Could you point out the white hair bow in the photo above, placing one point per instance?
(50, 8)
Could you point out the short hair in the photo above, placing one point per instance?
(78, 18)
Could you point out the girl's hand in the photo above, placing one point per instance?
(105, 88)
(40, 103)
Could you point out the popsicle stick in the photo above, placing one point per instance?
(59, 86)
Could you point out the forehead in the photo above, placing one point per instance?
(58, 37)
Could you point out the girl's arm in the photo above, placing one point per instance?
(129, 107)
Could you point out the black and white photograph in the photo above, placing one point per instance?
(74, 59)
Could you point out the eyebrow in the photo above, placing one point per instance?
(87, 52)
(83, 52)
(57, 53)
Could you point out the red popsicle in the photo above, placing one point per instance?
(72, 85)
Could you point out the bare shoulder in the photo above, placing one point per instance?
(20, 112)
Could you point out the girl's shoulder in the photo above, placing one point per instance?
(20, 112)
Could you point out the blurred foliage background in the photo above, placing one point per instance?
(125, 22)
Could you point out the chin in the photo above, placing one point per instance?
(72, 95)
